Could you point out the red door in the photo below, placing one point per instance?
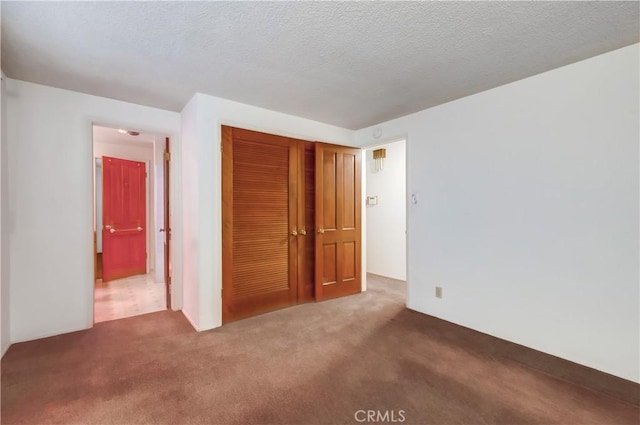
(124, 250)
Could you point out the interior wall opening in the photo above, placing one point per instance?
(130, 241)
(386, 211)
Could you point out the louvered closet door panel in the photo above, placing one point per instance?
(260, 258)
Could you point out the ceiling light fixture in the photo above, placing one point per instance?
(129, 132)
(378, 157)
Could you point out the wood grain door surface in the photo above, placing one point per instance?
(271, 190)
(259, 221)
(338, 213)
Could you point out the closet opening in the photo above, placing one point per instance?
(291, 222)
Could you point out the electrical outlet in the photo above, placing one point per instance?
(438, 292)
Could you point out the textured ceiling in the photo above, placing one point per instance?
(351, 64)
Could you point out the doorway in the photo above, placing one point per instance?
(386, 206)
(129, 223)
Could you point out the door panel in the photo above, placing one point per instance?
(329, 264)
(260, 258)
(329, 193)
(349, 191)
(124, 218)
(349, 261)
(338, 211)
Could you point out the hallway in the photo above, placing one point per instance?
(131, 296)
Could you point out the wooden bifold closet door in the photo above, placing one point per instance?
(271, 226)
(338, 213)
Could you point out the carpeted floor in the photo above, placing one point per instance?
(318, 363)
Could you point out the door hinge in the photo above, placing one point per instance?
(167, 156)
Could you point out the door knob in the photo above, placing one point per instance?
(111, 229)
(321, 230)
(294, 232)
(139, 229)
(303, 232)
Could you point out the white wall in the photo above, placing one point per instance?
(49, 143)
(5, 318)
(527, 211)
(158, 178)
(141, 153)
(386, 221)
(190, 139)
(201, 121)
(132, 152)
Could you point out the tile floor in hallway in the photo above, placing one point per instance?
(127, 297)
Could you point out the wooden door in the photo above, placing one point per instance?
(306, 221)
(166, 225)
(338, 212)
(124, 250)
(259, 222)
